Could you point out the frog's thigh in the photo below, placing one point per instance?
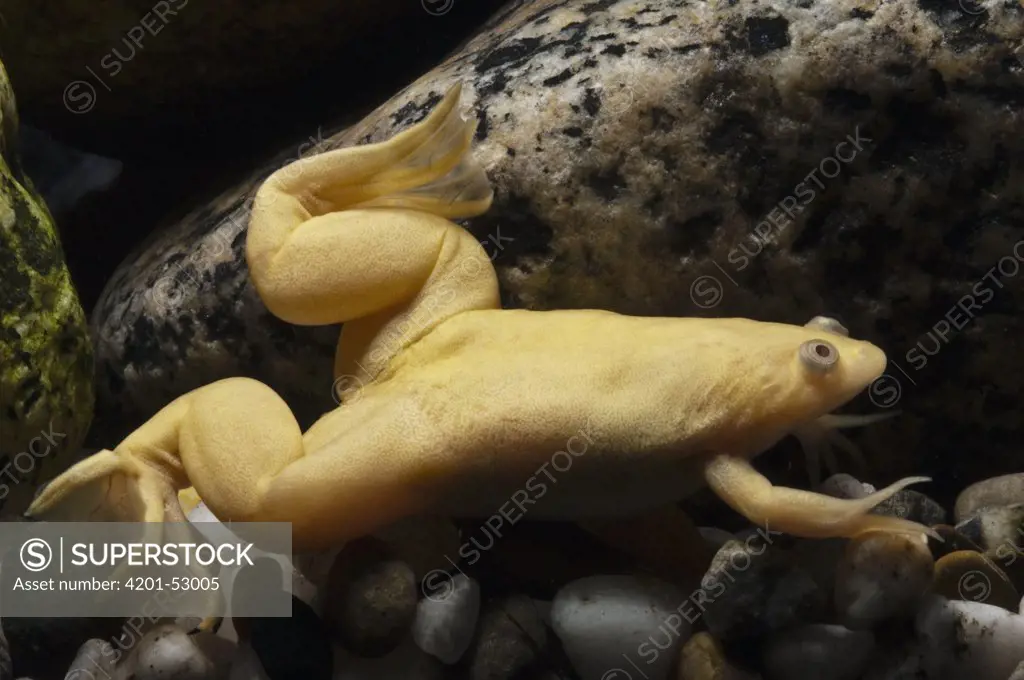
(236, 435)
(246, 457)
(363, 473)
(801, 513)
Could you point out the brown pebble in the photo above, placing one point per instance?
(881, 576)
(701, 658)
(370, 600)
(511, 641)
(972, 577)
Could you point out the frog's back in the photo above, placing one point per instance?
(487, 382)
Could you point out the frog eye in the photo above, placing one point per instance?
(819, 355)
(828, 324)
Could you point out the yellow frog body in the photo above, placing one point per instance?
(452, 405)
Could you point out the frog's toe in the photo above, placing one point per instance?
(430, 167)
(106, 486)
(819, 438)
(80, 492)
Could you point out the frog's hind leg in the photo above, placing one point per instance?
(364, 231)
(802, 513)
(363, 236)
(236, 442)
(227, 439)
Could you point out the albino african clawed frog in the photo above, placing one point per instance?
(457, 404)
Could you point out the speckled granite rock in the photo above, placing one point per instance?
(637, 149)
(46, 393)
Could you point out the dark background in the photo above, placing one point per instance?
(187, 152)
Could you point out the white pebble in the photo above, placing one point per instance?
(969, 639)
(95, 657)
(620, 623)
(168, 652)
(1019, 673)
(818, 652)
(445, 621)
(217, 532)
(211, 527)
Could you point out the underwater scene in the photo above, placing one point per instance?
(512, 340)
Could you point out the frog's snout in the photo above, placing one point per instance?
(873, 360)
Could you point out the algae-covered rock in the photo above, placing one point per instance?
(46, 392)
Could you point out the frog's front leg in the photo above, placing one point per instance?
(798, 512)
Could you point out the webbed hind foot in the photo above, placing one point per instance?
(105, 487)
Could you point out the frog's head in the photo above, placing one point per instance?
(777, 378)
(826, 369)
